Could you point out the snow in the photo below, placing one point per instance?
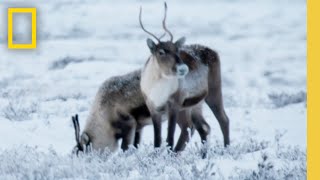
(262, 46)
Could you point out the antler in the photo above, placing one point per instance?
(76, 125)
(144, 28)
(163, 25)
(164, 19)
(164, 22)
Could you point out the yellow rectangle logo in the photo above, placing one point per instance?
(33, 12)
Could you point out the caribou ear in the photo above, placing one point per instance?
(151, 45)
(180, 42)
(85, 138)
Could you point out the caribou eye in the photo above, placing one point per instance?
(162, 52)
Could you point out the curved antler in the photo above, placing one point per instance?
(164, 22)
(144, 28)
(76, 125)
(76, 128)
(164, 19)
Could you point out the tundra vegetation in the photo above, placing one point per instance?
(262, 45)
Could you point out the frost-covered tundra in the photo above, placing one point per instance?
(118, 112)
(179, 77)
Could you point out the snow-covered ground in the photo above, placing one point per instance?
(81, 43)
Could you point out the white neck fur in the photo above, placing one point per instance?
(155, 85)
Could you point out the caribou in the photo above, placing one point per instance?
(180, 78)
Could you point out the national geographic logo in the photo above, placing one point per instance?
(22, 11)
